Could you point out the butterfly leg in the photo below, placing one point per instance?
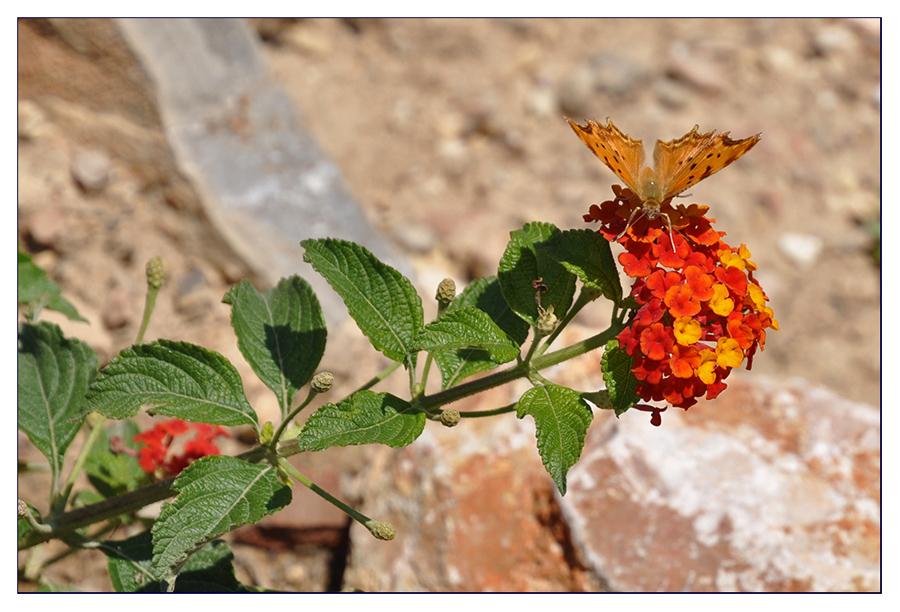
(631, 220)
(669, 225)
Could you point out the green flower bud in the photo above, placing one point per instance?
(268, 430)
(450, 417)
(446, 291)
(322, 382)
(381, 530)
(155, 272)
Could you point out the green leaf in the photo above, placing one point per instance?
(523, 263)
(280, 332)
(53, 374)
(363, 418)
(562, 419)
(37, 291)
(181, 380)
(620, 381)
(586, 253)
(382, 301)
(130, 563)
(467, 328)
(486, 295)
(216, 495)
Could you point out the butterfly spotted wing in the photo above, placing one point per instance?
(621, 153)
(683, 162)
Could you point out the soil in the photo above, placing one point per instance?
(451, 133)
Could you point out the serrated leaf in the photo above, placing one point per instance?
(523, 263)
(586, 254)
(620, 381)
(215, 495)
(53, 376)
(382, 301)
(130, 564)
(467, 328)
(36, 290)
(363, 418)
(281, 333)
(179, 379)
(486, 295)
(562, 419)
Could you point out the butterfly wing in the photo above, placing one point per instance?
(621, 153)
(685, 161)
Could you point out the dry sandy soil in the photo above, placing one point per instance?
(451, 133)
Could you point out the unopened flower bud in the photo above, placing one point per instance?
(322, 382)
(381, 530)
(23, 509)
(155, 272)
(450, 417)
(546, 322)
(268, 430)
(446, 291)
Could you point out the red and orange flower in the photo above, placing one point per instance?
(701, 312)
(154, 456)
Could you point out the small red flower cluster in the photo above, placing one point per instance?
(152, 457)
(700, 312)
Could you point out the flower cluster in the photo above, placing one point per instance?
(700, 311)
(154, 456)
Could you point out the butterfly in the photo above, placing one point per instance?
(677, 164)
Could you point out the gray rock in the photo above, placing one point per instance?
(265, 183)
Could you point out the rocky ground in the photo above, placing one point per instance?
(450, 134)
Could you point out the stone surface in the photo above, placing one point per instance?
(772, 487)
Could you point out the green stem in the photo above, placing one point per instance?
(521, 370)
(120, 504)
(585, 297)
(154, 282)
(476, 414)
(309, 484)
(379, 377)
(59, 503)
(286, 422)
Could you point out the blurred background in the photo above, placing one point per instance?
(220, 144)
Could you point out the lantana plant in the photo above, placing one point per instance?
(693, 313)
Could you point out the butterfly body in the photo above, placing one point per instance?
(677, 164)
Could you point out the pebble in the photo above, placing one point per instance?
(671, 93)
(32, 120)
(778, 60)
(833, 39)
(46, 226)
(801, 249)
(455, 155)
(416, 238)
(541, 102)
(118, 312)
(615, 75)
(875, 95)
(91, 169)
(576, 96)
(696, 67)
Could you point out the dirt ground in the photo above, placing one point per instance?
(450, 134)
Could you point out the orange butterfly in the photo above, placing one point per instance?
(678, 163)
